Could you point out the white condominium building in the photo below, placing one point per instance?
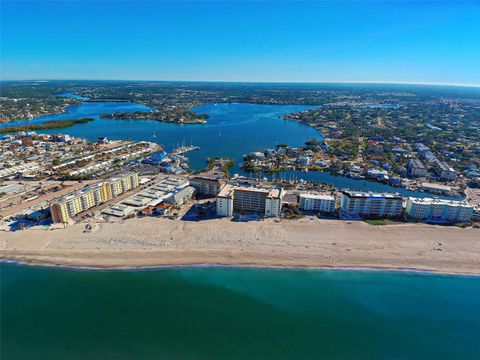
(225, 201)
(265, 200)
(370, 204)
(317, 202)
(434, 209)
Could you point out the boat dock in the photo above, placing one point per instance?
(184, 149)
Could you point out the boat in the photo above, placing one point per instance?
(184, 149)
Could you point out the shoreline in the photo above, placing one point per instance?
(237, 266)
(144, 243)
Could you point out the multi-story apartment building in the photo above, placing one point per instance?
(209, 183)
(444, 171)
(415, 168)
(236, 197)
(66, 207)
(438, 210)
(317, 202)
(366, 204)
(224, 201)
(476, 214)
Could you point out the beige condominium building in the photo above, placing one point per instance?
(438, 210)
(208, 183)
(66, 207)
(263, 200)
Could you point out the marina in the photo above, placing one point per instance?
(237, 129)
(183, 149)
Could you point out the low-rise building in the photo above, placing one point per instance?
(11, 189)
(438, 210)
(317, 202)
(178, 198)
(436, 188)
(137, 201)
(365, 204)
(120, 210)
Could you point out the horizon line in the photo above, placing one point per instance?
(263, 82)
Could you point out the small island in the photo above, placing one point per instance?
(52, 124)
(177, 117)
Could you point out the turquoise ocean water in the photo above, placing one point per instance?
(236, 313)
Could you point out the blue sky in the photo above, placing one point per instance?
(376, 41)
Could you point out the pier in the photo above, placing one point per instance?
(184, 149)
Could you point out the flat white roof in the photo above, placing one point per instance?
(11, 188)
(274, 192)
(436, 186)
(437, 201)
(317, 196)
(360, 194)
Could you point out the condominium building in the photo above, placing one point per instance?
(208, 183)
(444, 171)
(224, 201)
(476, 214)
(237, 197)
(317, 202)
(438, 210)
(66, 207)
(370, 204)
(415, 168)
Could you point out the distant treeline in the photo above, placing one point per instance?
(52, 124)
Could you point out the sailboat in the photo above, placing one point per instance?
(154, 134)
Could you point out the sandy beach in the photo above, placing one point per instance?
(144, 242)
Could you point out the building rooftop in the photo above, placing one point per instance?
(7, 189)
(119, 210)
(417, 163)
(271, 191)
(136, 201)
(213, 175)
(444, 166)
(319, 196)
(360, 194)
(226, 192)
(427, 185)
(437, 201)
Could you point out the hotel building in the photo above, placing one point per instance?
(366, 204)
(317, 202)
(66, 207)
(264, 200)
(438, 210)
